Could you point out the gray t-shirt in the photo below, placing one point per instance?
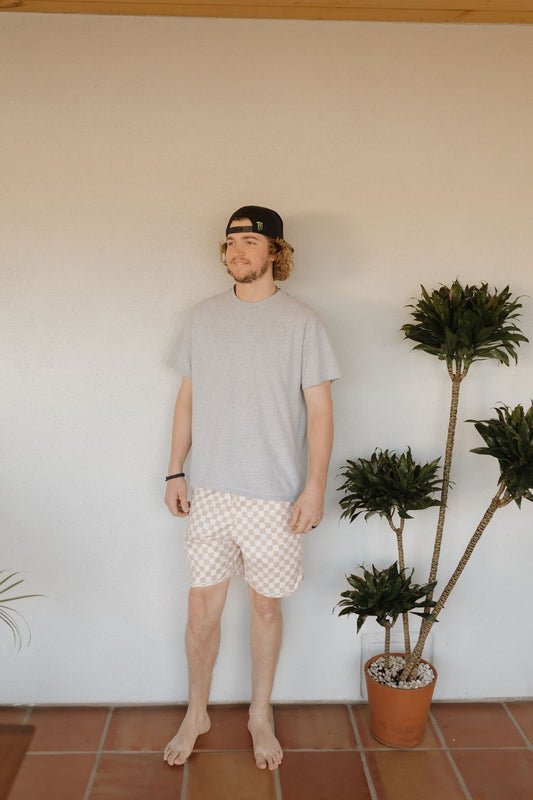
(249, 364)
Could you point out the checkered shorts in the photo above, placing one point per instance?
(229, 535)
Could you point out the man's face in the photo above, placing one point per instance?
(248, 255)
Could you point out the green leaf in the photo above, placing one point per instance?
(7, 613)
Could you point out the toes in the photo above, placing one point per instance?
(270, 762)
(174, 758)
(180, 758)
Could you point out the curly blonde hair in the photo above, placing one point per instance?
(282, 252)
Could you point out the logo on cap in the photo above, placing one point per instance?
(259, 225)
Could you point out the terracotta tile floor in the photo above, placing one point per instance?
(471, 751)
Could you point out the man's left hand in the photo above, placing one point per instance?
(308, 510)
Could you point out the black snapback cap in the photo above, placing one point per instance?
(264, 221)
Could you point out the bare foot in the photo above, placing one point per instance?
(267, 749)
(180, 747)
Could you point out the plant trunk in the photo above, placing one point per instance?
(401, 561)
(411, 667)
(406, 636)
(456, 378)
(387, 646)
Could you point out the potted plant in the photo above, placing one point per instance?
(393, 487)
(10, 615)
(459, 326)
(395, 718)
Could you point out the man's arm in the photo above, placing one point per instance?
(176, 492)
(309, 508)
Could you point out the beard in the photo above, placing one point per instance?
(251, 276)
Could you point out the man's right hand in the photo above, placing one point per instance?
(176, 498)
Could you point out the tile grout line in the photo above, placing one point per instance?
(185, 781)
(277, 785)
(450, 757)
(516, 724)
(38, 753)
(384, 749)
(277, 780)
(98, 754)
(286, 750)
(366, 768)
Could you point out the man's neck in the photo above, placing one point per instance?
(256, 291)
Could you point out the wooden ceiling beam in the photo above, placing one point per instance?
(477, 11)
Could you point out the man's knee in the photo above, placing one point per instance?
(206, 604)
(267, 609)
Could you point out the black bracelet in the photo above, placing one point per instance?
(179, 475)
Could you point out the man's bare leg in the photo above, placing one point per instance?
(265, 636)
(202, 641)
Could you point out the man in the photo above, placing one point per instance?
(254, 401)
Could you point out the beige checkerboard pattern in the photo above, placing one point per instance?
(229, 535)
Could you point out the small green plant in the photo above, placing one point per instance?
(11, 616)
(384, 594)
(387, 484)
(509, 439)
(462, 325)
(391, 486)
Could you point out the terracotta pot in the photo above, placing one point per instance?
(398, 716)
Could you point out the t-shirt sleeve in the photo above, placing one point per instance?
(181, 356)
(318, 362)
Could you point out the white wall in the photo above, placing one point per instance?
(397, 154)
